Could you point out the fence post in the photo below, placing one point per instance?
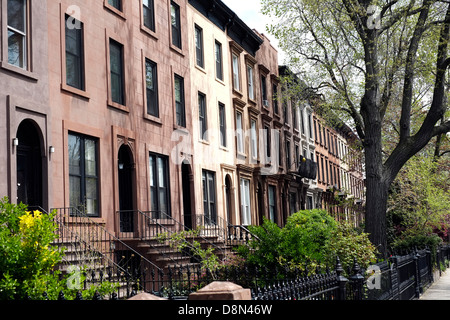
(342, 281)
(357, 281)
(438, 260)
(417, 273)
(394, 278)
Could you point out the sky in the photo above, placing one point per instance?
(249, 11)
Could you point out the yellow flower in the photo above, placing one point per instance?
(26, 221)
(37, 214)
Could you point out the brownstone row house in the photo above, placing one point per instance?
(154, 110)
(340, 174)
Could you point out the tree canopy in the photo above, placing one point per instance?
(383, 67)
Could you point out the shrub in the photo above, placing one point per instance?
(299, 244)
(349, 244)
(310, 239)
(28, 258)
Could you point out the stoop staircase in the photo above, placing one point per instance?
(147, 238)
(89, 248)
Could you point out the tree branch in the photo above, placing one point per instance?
(405, 119)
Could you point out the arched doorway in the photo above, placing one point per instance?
(228, 200)
(187, 195)
(126, 180)
(29, 164)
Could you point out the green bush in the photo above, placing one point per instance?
(27, 257)
(310, 239)
(28, 260)
(348, 244)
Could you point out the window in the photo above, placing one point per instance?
(74, 53)
(159, 184)
(209, 196)
(199, 46)
(222, 125)
(293, 202)
(275, 101)
(268, 142)
(309, 204)
(310, 129)
(202, 119)
(151, 85)
(295, 115)
(302, 122)
(149, 14)
(239, 133)
(117, 72)
(288, 155)
(18, 33)
(279, 147)
(264, 91)
(245, 202)
(235, 64)
(219, 67)
(251, 85)
(179, 101)
(272, 204)
(83, 173)
(254, 139)
(116, 4)
(297, 156)
(176, 24)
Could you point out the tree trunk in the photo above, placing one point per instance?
(377, 184)
(376, 205)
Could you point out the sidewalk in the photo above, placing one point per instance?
(440, 290)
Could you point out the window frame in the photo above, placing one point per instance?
(254, 139)
(82, 176)
(240, 143)
(251, 82)
(180, 106)
(122, 104)
(150, 6)
(245, 194)
(222, 125)
(199, 47)
(24, 35)
(27, 73)
(218, 52)
(209, 195)
(82, 68)
(156, 176)
(155, 96)
(202, 114)
(175, 30)
(236, 71)
(272, 206)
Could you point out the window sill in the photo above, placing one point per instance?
(201, 69)
(220, 81)
(205, 142)
(75, 91)
(113, 10)
(153, 119)
(241, 155)
(149, 32)
(118, 106)
(176, 49)
(237, 92)
(25, 73)
(181, 129)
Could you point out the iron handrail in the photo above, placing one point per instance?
(97, 238)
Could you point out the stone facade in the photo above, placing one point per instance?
(168, 108)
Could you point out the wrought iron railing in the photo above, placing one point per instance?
(103, 256)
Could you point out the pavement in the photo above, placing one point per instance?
(439, 290)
